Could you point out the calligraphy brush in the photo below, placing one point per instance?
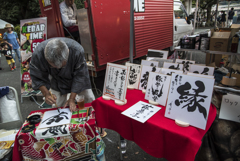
(55, 103)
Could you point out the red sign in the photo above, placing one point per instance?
(35, 43)
(26, 77)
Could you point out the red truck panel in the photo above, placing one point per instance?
(154, 27)
(50, 9)
(110, 27)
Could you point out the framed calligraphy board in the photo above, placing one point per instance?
(189, 99)
(149, 63)
(159, 60)
(186, 64)
(116, 81)
(134, 74)
(199, 69)
(157, 88)
(174, 66)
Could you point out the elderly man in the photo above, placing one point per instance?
(63, 60)
(68, 13)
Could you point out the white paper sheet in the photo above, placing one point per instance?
(199, 69)
(157, 88)
(174, 66)
(50, 132)
(200, 75)
(230, 108)
(149, 63)
(116, 81)
(144, 76)
(134, 74)
(141, 111)
(189, 99)
(54, 118)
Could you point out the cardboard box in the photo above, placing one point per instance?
(235, 26)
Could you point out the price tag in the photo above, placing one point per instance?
(230, 108)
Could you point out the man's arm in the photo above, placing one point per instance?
(49, 99)
(65, 19)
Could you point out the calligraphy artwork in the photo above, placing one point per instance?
(144, 76)
(186, 64)
(141, 111)
(199, 69)
(157, 88)
(134, 74)
(116, 81)
(170, 71)
(55, 118)
(159, 60)
(189, 99)
(200, 75)
(175, 66)
(149, 63)
(54, 131)
(158, 53)
(230, 108)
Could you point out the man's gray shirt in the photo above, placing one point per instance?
(73, 77)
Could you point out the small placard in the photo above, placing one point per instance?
(144, 76)
(116, 81)
(149, 63)
(175, 66)
(134, 74)
(198, 69)
(230, 108)
(141, 111)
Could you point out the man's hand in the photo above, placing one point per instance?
(71, 104)
(50, 99)
(10, 45)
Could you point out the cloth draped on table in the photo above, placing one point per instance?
(84, 142)
(159, 136)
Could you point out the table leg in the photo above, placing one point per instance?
(122, 147)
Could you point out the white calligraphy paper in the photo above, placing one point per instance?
(230, 108)
(159, 60)
(50, 132)
(149, 63)
(189, 99)
(145, 74)
(200, 75)
(186, 64)
(198, 69)
(54, 118)
(170, 71)
(134, 74)
(116, 81)
(141, 111)
(175, 66)
(157, 88)
(158, 53)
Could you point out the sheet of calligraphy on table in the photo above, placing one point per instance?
(116, 81)
(141, 111)
(189, 99)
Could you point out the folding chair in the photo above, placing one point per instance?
(11, 96)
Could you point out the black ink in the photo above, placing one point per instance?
(56, 118)
(192, 100)
(122, 78)
(144, 80)
(132, 76)
(56, 129)
(173, 67)
(115, 82)
(143, 109)
(204, 72)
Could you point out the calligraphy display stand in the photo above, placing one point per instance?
(143, 91)
(181, 123)
(130, 87)
(106, 97)
(120, 103)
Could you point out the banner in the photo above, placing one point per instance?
(33, 32)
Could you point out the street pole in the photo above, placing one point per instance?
(131, 29)
(195, 17)
(216, 15)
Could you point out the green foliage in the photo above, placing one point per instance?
(15, 10)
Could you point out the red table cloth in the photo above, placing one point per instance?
(83, 143)
(159, 136)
